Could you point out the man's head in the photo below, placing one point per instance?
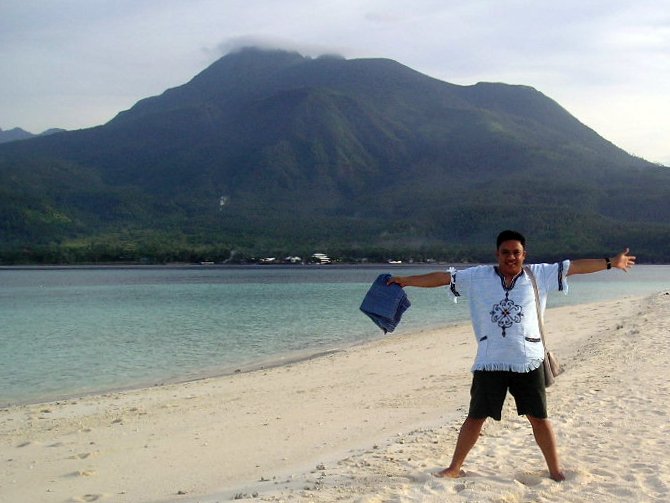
(510, 236)
(510, 252)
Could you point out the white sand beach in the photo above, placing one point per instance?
(367, 424)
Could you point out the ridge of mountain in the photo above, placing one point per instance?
(268, 152)
(14, 134)
(17, 133)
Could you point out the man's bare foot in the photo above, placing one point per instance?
(558, 476)
(449, 473)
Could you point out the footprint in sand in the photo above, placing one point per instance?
(83, 455)
(600, 472)
(88, 497)
(28, 443)
(82, 473)
(529, 479)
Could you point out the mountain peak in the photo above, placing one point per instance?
(253, 60)
(18, 133)
(14, 134)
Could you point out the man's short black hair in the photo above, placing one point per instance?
(510, 236)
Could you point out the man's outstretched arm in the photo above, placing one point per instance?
(623, 261)
(430, 280)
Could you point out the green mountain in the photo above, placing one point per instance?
(271, 153)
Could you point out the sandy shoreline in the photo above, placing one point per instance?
(366, 424)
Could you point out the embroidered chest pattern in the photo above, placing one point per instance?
(506, 313)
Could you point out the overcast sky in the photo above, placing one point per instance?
(77, 63)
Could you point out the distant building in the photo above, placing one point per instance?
(321, 258)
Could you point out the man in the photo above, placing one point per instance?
(509, 353)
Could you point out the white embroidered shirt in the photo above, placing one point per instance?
(504, 319)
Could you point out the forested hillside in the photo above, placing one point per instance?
(269, 153)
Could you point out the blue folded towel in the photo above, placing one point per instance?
(385, 304)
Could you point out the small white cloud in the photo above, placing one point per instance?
(235, 44)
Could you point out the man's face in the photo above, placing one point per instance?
(510, 256)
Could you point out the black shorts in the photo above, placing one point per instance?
(489, 389)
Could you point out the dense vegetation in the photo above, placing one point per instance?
(268, 153)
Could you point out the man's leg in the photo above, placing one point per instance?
(545, 438)
(467, 438)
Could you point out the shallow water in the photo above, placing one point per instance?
(70, 331)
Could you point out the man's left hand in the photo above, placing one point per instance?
(624, 260)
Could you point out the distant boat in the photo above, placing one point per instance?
(395, 261)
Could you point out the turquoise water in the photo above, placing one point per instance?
(71, 331)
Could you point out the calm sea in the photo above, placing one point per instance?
(71, 331)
